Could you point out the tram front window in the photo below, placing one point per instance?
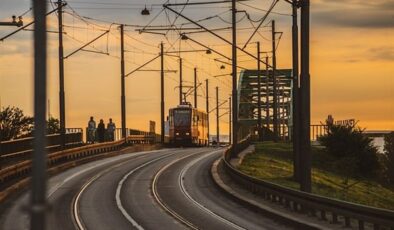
(181, 118)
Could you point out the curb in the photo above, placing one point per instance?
(254, 205)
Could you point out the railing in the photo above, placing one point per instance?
(13, 173)
(349, 214)
(318, 131)
(25, 145)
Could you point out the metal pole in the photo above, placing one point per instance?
(39, 164)
(305, 100)
(282, 121)
(234, 75)
(195, 88)
(295, 101)
(180, 81)
(122, 78)
(229, 120)
(207, 104)
(267, 93)
(258, 93)
(217, 115)
(162, 93)
(275, 98)
(62, 102)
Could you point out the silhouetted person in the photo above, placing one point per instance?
(101, 131)
(91, 130)
(111, 130)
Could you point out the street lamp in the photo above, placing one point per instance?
(145, 11)
(18, 23)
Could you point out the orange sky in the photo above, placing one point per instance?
(352, 64)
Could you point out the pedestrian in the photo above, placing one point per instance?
(111, 130)
(101, 131)
(91, 130)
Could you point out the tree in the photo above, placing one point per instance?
(388, 158)
(14, 124)
(356, 155)
(53, 125)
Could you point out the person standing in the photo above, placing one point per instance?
(101, 131)
(111, 130)
(91, 130)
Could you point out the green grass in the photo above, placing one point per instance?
(273, 162)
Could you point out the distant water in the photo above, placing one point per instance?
(379, 143)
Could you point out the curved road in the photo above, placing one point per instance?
(164, 189)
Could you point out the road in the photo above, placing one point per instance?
(163, 189)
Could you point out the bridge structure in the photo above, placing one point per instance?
(248, 93)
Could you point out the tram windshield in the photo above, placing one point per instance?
(182, 117)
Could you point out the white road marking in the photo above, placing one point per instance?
(125, 156)
(86, 185)
(119, 188)
(200, 206)
(187, 195)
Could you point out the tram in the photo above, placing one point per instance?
(188, 126)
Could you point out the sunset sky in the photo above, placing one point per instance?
(352, 58)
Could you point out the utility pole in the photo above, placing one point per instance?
(38, 205)
(258, 93)
(207, 104)
(180, 81)
(62, 103)
(195, 88)
(267, 93)
(296, 104)
(162, 93)
(229, 120)
(275, 92)
(305, 148)
(217, 115)
(122, 79)
(234, 75)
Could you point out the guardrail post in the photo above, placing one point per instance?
(360, 225)
(347, 221)
(334, 218)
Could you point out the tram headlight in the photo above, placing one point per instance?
(187, 134)
(177, 134)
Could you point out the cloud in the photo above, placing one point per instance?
(354, 18)
(384, 53)
(354, 13)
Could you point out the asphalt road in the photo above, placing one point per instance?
(165, 189)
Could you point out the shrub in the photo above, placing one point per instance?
(355, 153)
(388, 158)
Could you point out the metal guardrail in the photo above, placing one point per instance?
(351, 214)
(26, 144)
(22, 169)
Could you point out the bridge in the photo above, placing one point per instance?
(136, 181)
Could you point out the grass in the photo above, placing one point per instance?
(273, 162)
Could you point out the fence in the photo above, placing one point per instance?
(25, 145)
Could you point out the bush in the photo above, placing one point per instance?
(388, 158)
(355, 153)
(14, 124)
(53, 126)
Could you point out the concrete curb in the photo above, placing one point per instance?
(216, 173)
